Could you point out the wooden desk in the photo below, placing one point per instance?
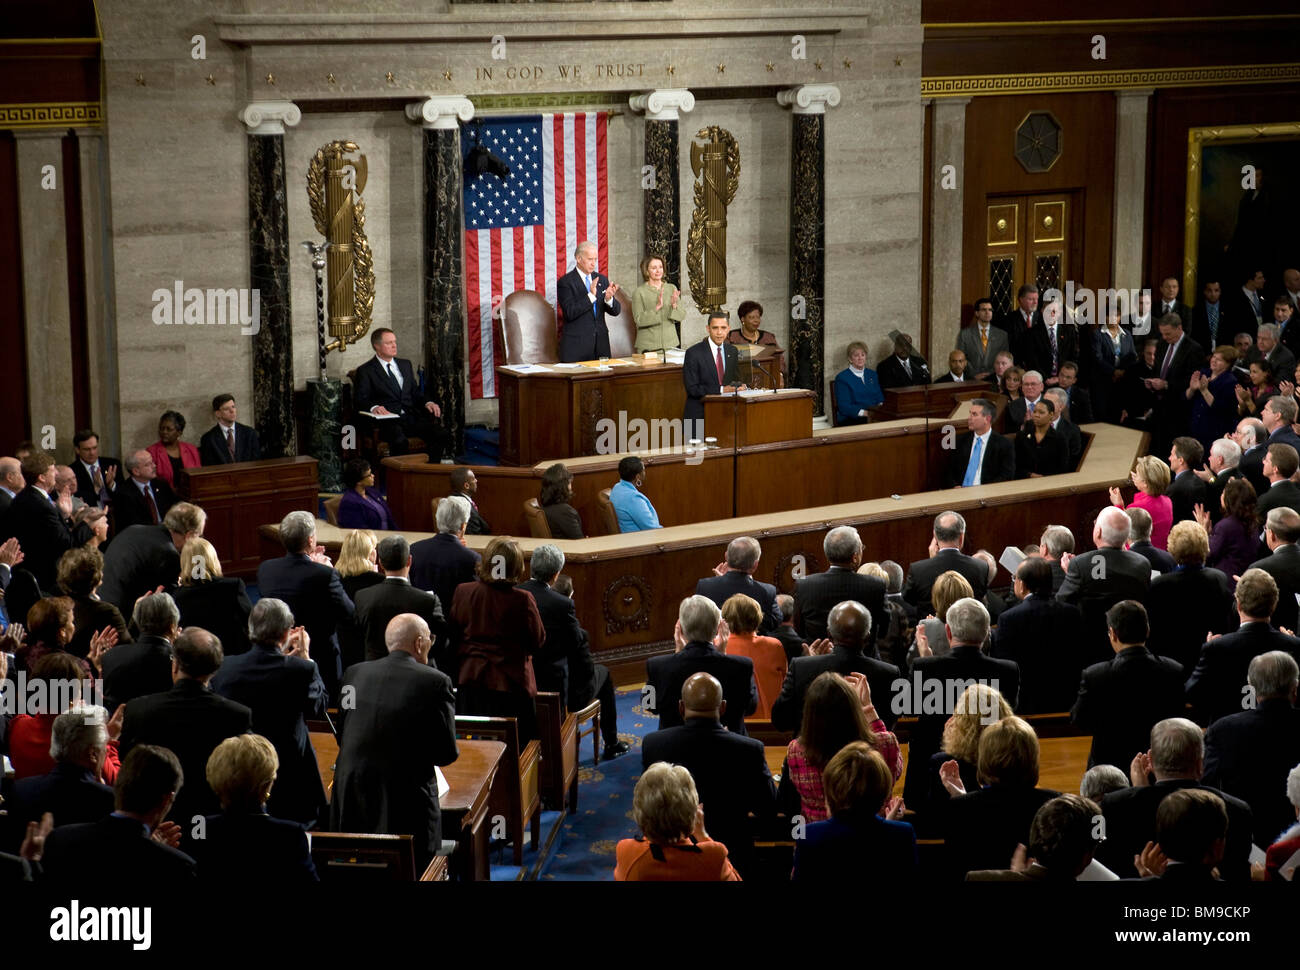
(759, 419)
(556, 412)
(240, 497)
(464, 808)
(932, 399)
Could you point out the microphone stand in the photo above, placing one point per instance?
(735, 447)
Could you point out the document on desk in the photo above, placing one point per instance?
(527, 368)
(381, 417)
(756, 392)
(573, 366)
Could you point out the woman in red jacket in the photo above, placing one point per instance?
(498, 629)
(170, 454)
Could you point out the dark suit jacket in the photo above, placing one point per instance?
(86, 488)
(940, 677)
(665, 676)
(136, 670)
(1068, 430)
(190, 720)
(1285, 493)
(1239, 311)
(221, 607)
(1252, 467)
(1284, 566)
(564, 521)
(1126, 576)
(721, 588)
(890, 372)
(213, 450)
(477, 525)
(43, 534)
(846, 848)
(921, 576)
(700, 374)
(816, 595)
(69, 792)
(282, 692)
(1283, 361)
(564, 637)
(1130, 815)
(372, 386)
(1214, 686)
(997, 465)
(1033, 347)
(440, 564)
(315, 596)
(118, 845)
(585, 335)
(1108, 394)
(237, 843)
(1161, 561)
(131, 508)
(1041, 634)
(1186, 492)
(403, 724)
(1183, 607)
(1121, 700)
(981, 829)
(730, 774)
(1200, 326)
(1179, 309)
(1015, 318)
(377, 605)
(1189, 357)
(1081, 404)
(1249, 754)
(787, 709)
(139, 560)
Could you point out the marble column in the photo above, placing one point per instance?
(268, 260)
(1130, 189)
(808, 105)
(46, 306)
(949, 147)
(100, 299)
(444, 271)
(660, 178)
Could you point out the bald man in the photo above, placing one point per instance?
(730, 771)
(143, 499)
(397, 721)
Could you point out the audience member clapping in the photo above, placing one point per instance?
(674, 846)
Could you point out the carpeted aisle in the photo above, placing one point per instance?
(584, 849)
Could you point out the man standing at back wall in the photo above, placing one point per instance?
(585, 296)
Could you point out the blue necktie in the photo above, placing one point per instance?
(973, 466)
(1212, 315)
(595, 304)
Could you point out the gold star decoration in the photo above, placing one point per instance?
(722, 68)
(446, 75)
(771, 66)
(672, 68)
(139, 79)
(898, 62)
(270, 79)
(847, 63)
(390, 77)
(817, 64)
(212, 80)
(329, 78)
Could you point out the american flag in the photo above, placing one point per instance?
(520, 232)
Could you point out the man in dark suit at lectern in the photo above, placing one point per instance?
(905, 367)
(711, 367)
(585, 296)
(386, 385)
(228, 440)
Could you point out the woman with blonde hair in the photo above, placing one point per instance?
(744, 616)
(931, 634)
(244, 839)
(837, 711)
(1151, 477)
(208, 599)
(978, 707)
(673, 846)
(358, 569)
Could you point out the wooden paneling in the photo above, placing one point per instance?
(13, 346)
(737, 420)
(1086, 168)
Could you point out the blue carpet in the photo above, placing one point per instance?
(584, 849)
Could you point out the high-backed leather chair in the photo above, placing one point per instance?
(538, 527)
(332, 509)
(622, 332)
(526, 329)
(608, 517)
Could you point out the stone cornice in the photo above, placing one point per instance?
(809, 99)
(441, 111)
(270, 117)
(664, 104)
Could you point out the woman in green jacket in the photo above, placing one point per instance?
(655, 305)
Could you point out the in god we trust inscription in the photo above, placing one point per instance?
(558, 72)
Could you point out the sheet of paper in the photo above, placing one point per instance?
(1011, 559)
(382, 417)
(566, 366)
(441, 779)
(527, 368)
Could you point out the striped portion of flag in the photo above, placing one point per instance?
(520, 231)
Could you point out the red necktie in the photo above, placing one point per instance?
(721, 370)
(230, 442)
(153, 506)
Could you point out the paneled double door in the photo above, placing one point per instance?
(1029, 239)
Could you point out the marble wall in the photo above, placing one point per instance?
(178, 162)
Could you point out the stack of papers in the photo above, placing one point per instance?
(528, 368)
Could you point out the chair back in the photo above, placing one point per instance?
(608, 517)
(622, 333)
(332, 509)
(526, 328)
(538, 527)
(835, 407)
(433, 511)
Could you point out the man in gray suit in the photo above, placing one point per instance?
(982, 342)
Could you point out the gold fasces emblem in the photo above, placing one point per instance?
(716, 165)
(334, 186)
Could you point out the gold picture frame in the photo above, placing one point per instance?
(1197, 139)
